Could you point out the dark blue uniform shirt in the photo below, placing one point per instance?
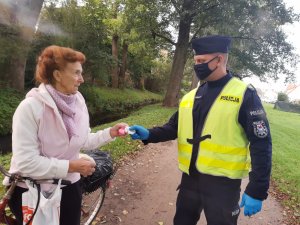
(252, 118)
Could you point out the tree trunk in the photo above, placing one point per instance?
(172, 96)
(123, 66)
(25, 16)
(141, 84)
(195, 81)
(17, 71)
(115, 69)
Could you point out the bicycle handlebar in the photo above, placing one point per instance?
(20, 178)
(49, 181)
(4, 172)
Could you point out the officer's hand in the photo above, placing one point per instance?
(252, 206)
(141, 133)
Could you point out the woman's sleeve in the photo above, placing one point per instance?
(98, 139)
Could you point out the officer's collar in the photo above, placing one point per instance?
(221, 82)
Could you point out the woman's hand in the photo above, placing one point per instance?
(83, 166)
(114, 131)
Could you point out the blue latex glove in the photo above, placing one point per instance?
(252, 206)
(141, 133)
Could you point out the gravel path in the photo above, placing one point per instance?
(144, 191)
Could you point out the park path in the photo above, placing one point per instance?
(144, 191)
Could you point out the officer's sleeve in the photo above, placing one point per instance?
(166, 132)
(253, 119)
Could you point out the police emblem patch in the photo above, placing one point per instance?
(260, 129)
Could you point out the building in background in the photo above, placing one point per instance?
(293, 92)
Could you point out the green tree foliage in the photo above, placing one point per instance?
(78, 27)
(141, 28)
(17, 25)
(160, 72)
(90, 28)
(259, 47)
(144, 51)
(133, 47)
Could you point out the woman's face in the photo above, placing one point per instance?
(68, 79)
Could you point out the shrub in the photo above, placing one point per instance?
(9, 100)
(282, 97)
(106, 104)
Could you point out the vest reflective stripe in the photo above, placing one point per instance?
(226, 153)
(185, 120)
(184, 157)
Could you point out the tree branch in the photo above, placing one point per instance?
(198, 30)
(175, 6)
(206, 9)
(163, 37)
(245, 38)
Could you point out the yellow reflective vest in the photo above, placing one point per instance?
(227, 152)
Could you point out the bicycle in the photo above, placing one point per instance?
(14, 179)
(93, 194)
(92, 200)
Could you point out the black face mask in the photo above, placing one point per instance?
(202, 70)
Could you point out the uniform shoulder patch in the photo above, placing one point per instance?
(257, 112)
(260, 129)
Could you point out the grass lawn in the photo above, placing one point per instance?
(149, 116)
(285, 131)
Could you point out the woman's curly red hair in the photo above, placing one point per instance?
(55, 58)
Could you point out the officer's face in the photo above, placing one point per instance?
(199, 59)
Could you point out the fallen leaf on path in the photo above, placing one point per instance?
(160, 223)
(119, 219)
(100, 218)
(125, 212)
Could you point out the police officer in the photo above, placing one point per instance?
(219, 126)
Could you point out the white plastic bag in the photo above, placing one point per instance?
(48, 211)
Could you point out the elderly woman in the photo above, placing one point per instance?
(51, 126)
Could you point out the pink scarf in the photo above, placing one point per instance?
(66, 106)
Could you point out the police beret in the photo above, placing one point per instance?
(211, 44)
